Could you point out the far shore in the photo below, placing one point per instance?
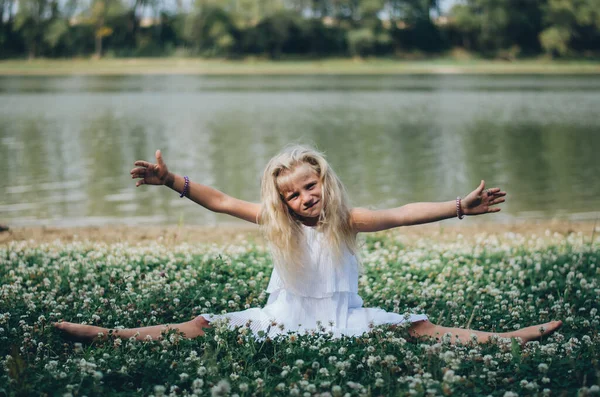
(196, 66)
(235, 234)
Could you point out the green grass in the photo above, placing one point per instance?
(497, 283)
(327, 66)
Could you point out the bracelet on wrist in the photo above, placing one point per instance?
(186, 187)
(459, 212)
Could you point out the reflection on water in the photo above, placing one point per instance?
(67, 143)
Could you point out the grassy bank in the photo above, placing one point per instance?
(329, 66)
(495, 282)
(242, 231)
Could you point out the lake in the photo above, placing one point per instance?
(67, 143)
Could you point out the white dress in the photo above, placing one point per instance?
(326, 294)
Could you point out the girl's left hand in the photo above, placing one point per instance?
(481, 201)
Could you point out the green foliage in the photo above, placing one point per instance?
(555, 40)
(56, 31)
(32, 20)
(282, 32)
(210, 31)
(505, 29)
(361, 42)
(570, 23)
(467, 23)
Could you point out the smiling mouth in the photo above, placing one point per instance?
(312, 205)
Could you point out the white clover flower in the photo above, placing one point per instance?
(336, 391)
(389, 359)
(531, 386)
(372, 360)
(159, 390)
(220, 389)
(449, 376)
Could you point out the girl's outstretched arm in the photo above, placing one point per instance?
(475, 203)
(206, 196)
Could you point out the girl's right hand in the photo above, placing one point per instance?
(151, 174)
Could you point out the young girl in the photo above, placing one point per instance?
(311, 231)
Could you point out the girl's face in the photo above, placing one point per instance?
(300, 189)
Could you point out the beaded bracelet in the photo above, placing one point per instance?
(186, 187)
(459, 213)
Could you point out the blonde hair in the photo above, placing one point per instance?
(283, 230)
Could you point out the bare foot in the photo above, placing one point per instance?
(80, 331)
(534, 332)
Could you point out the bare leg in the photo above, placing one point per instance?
(190, 329)
(425, 328)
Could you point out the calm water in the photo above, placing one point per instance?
(67, 143)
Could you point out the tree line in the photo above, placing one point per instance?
(297, 28)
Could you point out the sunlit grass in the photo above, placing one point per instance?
(260, 66)
(494, 282)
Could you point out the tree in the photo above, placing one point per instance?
(134, 17)
(7, 41)
(567, 21)
(32, 20)
(466, 22)
(498, 27)
(210, 30)
(98, 12)
(412, 26)
(282, 32)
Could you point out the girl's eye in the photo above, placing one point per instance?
(310, 187)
